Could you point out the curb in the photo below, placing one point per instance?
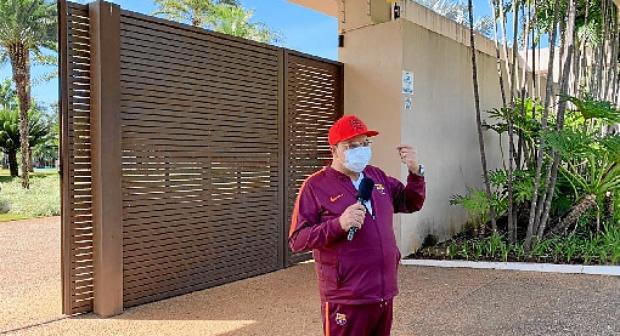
(516, 266)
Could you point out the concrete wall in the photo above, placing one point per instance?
(441, 123)
(372, 68)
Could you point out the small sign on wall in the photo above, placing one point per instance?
(407, 82)
(408, 103)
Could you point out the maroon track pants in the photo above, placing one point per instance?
(357, 320)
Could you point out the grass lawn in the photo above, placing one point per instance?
(4, 175)
(8, 217)
(41, 200)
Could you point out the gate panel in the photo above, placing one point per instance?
(314, 100)
(77, 218)
(200, 159)
(217, 135)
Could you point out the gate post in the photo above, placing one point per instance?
(106, 157)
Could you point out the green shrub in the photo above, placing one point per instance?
(4, 205)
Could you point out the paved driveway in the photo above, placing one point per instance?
(433, 301)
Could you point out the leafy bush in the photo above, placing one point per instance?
(603, 248)
(4, 205)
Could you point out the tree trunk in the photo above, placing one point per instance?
(562, 56)
(609, 211)
(30, 160)
(13, 166)
(502, 21)
(534, 92)
(579, 63)
(515, 47)
(549, 176)
(511, 230)
(601, 56)
(20, 64)
(611, 76)
(526, 38)
(500, 75)
(478, 116)
(570, 49)
(543, 120)
(586, 203)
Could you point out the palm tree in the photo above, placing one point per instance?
(45, 149)
(224, 16)
(7, 95)
(196, 12)
(26, 27)
(457, 11)
(236, 21)
(483, 159)
(10, 139)
(564, 80)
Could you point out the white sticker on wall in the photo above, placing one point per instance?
(408, 103)
(407, 82)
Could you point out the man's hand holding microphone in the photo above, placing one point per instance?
(353, 217)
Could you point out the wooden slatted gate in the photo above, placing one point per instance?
(214, 135)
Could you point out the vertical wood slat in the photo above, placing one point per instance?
(106, 157)
(76, 210)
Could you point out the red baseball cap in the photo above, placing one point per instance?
(348, 127)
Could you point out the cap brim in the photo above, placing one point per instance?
(367, 133)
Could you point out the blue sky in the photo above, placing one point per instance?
(303, 29)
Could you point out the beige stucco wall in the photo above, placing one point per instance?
(372, 71)
(441, 123)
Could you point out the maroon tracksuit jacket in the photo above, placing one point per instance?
(363, 270)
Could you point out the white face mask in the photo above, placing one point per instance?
(357, 159)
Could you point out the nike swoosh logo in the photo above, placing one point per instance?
(335, 198)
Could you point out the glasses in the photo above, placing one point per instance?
(354, 145)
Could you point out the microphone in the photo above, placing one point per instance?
(363, 195)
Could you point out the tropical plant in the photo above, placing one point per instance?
(46, 150)
(10, 139)
(8, 96)
(27, 28)
(236, 21)
(198, 13)
(476, 92)
(477, 205)
(224, 16)
(592, 167)
(457, 11)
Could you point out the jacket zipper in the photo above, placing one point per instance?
(382, 257)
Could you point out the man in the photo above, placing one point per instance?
(357, 278)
